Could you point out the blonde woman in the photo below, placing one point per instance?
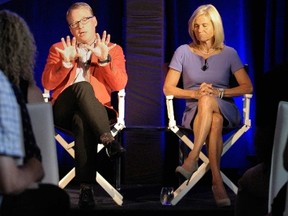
(206, 65)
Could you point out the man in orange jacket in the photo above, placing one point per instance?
(81, 72)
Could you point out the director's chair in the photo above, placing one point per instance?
(68, 146)
(184, 188)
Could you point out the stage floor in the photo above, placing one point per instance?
(144, 199)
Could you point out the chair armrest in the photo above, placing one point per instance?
(246, 109)
(46, 95)
(121, 110)
(170, 111)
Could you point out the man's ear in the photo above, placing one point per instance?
(96, 22)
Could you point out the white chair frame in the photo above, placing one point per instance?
(278, 174)
(118, 126)
(184, 188)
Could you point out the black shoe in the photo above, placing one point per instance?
(114, 149)
(86, 198)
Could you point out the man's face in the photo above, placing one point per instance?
(82, 25)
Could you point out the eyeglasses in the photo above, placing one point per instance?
(83, 21)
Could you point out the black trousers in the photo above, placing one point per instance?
(48, 199)
(79, 111)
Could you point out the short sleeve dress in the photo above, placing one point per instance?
(219, 69)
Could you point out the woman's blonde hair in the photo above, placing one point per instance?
(212, 13)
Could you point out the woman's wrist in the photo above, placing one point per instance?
(220, 92)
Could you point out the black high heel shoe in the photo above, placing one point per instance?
(114, 149)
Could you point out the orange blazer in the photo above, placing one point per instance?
(104, 79)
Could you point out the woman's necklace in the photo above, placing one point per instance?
(210, 51)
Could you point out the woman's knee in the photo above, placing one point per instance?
(206, 103)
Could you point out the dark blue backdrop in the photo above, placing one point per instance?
(257, 30)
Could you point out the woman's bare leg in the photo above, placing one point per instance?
(207, 106)
(215, 148)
